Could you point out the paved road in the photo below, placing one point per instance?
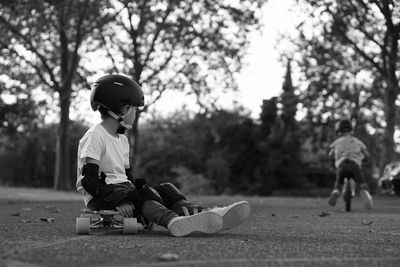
(279, 232)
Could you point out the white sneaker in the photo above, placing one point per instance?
(367, 199)
(205, 222)
(233, 215)
(333, 198)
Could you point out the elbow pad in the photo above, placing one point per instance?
(91, 180)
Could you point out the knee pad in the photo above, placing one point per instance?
(139, 196)
(171, 187)
(148, 193)
(169, 194)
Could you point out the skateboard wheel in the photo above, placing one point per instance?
(82, 226)
(130, 226)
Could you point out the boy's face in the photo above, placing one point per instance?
(129, 114)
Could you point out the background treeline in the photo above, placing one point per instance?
(225, 151)
(344, 55)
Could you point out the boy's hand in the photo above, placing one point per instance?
(126, 210)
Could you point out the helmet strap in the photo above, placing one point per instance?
(120, 120)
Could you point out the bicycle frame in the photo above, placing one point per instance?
(348, 192)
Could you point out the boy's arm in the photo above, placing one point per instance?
(129, 174)
(365, 152)
(93, 161)
(91, 180)
(331, 152)
(138, 182)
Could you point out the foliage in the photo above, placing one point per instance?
(220, 147)
(192, 184)
(29, 161)
(194, 47)
(42, 45)
(349, 65)
(164, 45)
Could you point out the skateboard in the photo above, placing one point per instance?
(104, 219)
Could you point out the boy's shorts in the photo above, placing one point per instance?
(349, 169)
(115, 194)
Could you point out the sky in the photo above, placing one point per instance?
(262, 74)
(262, 77)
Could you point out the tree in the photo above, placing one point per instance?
(42, 46)
(265, 169)
(268, 116)
(365, 34)
(21, 115)
(190, 46)
(289, 101)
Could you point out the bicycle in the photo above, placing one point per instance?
(349, 191)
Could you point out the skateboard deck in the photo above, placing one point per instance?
(104, 219)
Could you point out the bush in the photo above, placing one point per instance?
(193, 184)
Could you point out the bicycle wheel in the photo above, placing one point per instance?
(347, 194)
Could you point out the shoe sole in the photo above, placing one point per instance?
(368, 204)
(205, 222)
(333, 198)
(235, 214)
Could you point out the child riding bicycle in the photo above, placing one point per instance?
(348, 152)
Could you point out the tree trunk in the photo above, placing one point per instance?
(390, 118)
(134, 144)
(391, 95)
(62, 178)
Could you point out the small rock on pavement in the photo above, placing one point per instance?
(47, 220)
(365, 222)
(168, 257)
(324, 214)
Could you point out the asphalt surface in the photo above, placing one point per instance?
(279, 232)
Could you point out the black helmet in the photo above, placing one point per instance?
(343, 126)
(113, 91)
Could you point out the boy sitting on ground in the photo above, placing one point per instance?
(105, 178)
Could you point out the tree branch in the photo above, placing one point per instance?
(103, 38)
(36, 68)
(32, 48)
(157, 33)
(78, 40)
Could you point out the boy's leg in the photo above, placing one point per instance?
(169, 193)
(364, 192)
(175, 200)
(205, 222)
(232, 215)
(336, 187)
(110, 196)
(99, 204)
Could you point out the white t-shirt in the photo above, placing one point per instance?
(111, 151)
(348, 147)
